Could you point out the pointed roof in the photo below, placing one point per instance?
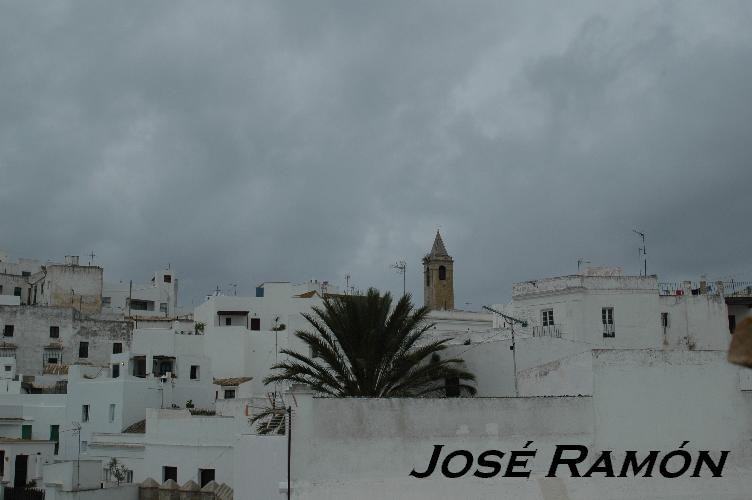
(438, 249)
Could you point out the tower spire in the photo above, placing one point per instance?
(438, 270)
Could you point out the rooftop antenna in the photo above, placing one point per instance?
(401, 267)
(235, 288)
(92, 255)
(347, 282)
(511, 320)
(217, 290)
(581, 261)
(642, 251)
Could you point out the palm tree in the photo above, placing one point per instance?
(360, 346)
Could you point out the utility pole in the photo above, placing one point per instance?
(401, 267)
(130, 297)
(642, 251)
(511, 320)
(77, 430)
(289, 448)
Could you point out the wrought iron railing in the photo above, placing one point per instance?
(608, 330)
(547, 331)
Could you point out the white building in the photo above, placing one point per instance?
(159, 298)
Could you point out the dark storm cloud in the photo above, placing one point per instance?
(243, 142)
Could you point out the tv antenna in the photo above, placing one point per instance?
(92, 255)
(347, 282)
(234, 288)
(581, 261)
(401, 267)
(643, 250)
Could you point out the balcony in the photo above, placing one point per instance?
(547, 331)
(608, 331)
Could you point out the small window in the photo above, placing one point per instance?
(112, 413)
(115, 371)
(169, 472)
(83, 350)
(25, 274)
(664, 320)
(452, 387)
(255, 324)
(547, 317)
(117, 348)
(228, 321)
(17, 291)
(8, 331)
(55, 436)
(84, 413)
(205, 476)
(8, 368)
(607, 315)
(442, 273)
(732, 323)
(26, 432)
(106, 301)
(167, 278)
(54, 332)
(194, 372)
(229, 393)
(163, 307)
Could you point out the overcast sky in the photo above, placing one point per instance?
(250, 141)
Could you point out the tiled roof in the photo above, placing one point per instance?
(231, 380)
(55, 369)
(137, 428)
(306, 295)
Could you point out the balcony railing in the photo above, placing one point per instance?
(608, 331)
(547, 331)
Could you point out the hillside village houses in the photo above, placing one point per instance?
(91, 371)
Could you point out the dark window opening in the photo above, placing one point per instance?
(54, 332)
(26, 432)
(139, 367)
(8, 331)
(205, 476)
(117, 348)
(169, 472)
(452, 387)
(167, 278)
(428, 277)
(256, 324)
(25, 274)
(17, 291)
(55, 436)
(229, 393)
(664, 320)
(228, 321)
(84, 413)
(194, 372)
(442, 273)
(163, 365)
(732, 323)
(83, 350)
(115, 371)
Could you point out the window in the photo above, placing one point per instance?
(194, 372)
(169, 472)
(664, 320)
(732, 323)
(54, 332)
(106, 301)
(442, 273)
(8, 368)
(55, 436)
(229, 393)
(205, 476)
(112, 413)
(52, 356)
(25, 274)
(83, 350)
(26, 432)
(255, 324)
(84, 413)
(167, 278)
(452, 387)
(259, 291)
(1, 292)
(2, 462)
(84, 446)
(8, 331)
(607, 318)
(163, 307)
(115, 371)
(228, 321)
(7, 352)
(117, 348)
(17, 291)
(547, 317)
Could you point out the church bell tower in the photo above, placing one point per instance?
(438, 277)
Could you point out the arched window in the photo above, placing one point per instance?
(442, 273)
(428, 277)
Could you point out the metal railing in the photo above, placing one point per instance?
(547, 331)
(696, 288)
(608, 330)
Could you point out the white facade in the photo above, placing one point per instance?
(154, 299)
